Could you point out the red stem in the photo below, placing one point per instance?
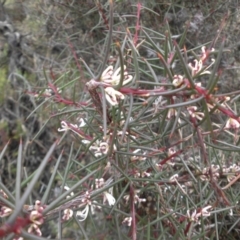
(135, 39)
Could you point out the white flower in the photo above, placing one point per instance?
(67, 188)
(36, 216)
(137, 199)
(128, 221)
(112, 95)
(48, 92)
(138, 157)
(145, 174)
(82, 215)
(204, 212)
(232, 123)
(3, 194)
(174, 178)
(99, 182)
(109, 197)
(198, 64)
(196, 67)
(197, 214)
(35, 230)
(100, 148)
(73, 127)
(84, 141)
(82, 122)
(204, 53)
(177, 80)
(67, 214)
(5, 211)
(64, 127)
(107, 74)
(194, 114)
(113, 78)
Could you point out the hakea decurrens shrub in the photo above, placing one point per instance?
(153, 143)
(191, 92)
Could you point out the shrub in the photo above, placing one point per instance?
(154, 149)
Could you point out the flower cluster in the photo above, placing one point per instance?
(196, 214)
(197, 67)
(205, 175)
(194, 113)
(137, 199)
(36, 218)
(112, 78)
(232, 124)
(65, 126)
(113, 96)
(47, 93)
(82, 215)
(127, 221)
(230, 172)
(88, 203)
(99, 148)
(5, 211)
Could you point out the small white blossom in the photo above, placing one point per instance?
(196, 67)
(35, 230)
(232, 123)
(99, 182)
(146, 174)
(36, 219)
(82, 215)
(107, 74)
(109, 198)
(138, 157)
(5, 211)
(204, 212)
(194, 114)
(177, 80)
(67, 214)
(113, 78)
(73, 127)
(198, 64)
(128, 221)
(49, 92)
(84, 141)
(174, 178)
(64, 127)
(3, 194)
(36, 215)
(67, 188)
(204, 53)
(99, 148)
(82, 122)
(113, 95)
(137, 199)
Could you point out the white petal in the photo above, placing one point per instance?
(83, 214)
(111, 200)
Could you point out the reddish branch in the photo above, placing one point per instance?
(103, 15)
(135, 39)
